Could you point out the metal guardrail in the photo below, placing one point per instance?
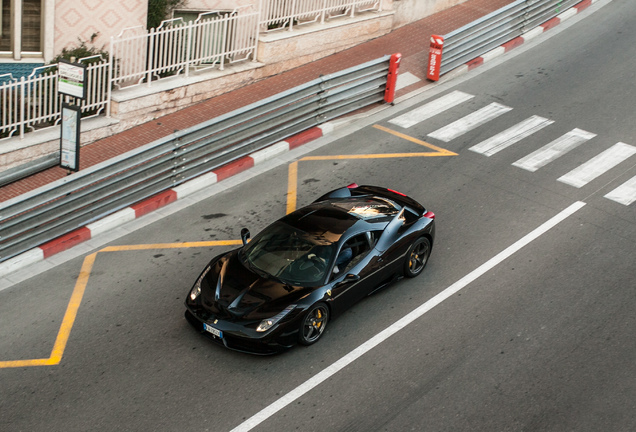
(13, 174)
(497, 28)
(44, 214)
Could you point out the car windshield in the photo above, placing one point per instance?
(290, 255)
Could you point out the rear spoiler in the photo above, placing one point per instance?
(355, 190)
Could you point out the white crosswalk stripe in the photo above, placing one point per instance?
(554, 150)
(470, 122)
(431, 109)
(625, 193)
(511, 136)
(598, 165)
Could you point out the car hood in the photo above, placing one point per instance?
(232, 292)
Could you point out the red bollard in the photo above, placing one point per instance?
(391, 79)
(435, 57)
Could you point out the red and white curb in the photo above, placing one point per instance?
(162, 199)
(520, 40)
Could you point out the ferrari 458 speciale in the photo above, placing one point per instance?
(284, 286)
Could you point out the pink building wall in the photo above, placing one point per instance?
(81, 18)
(219, 4)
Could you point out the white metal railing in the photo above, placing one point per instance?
(280, 14)
(175, 47)
(33, 102)
(9, 105)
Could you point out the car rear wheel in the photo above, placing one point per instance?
(417, 257)
(313, 324)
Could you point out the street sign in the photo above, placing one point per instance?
(70, 137)
(71, 79)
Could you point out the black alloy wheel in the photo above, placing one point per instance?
(314, 324)
(417, 257)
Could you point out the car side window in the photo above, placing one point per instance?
(373, 237)
(352, 252)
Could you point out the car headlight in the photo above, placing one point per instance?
(266, 324)
(196, 289)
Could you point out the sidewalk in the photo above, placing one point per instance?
(412, 41)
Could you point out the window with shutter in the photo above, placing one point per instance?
(31, 25)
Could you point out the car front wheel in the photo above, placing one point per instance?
(313, 324)
(417, 257)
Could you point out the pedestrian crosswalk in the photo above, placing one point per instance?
(578, 177)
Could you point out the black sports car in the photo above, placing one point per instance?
(284, 285)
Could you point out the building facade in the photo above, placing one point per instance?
(33, 32)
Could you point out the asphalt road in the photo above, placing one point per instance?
(541, 339)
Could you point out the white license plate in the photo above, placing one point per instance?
(215, 332)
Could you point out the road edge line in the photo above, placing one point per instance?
(349, 358)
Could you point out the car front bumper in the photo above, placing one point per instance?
(237, 338)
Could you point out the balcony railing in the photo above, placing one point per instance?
(285, 14)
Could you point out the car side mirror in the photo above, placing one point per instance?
(348, 279)
(245, 235)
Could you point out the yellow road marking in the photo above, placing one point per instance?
(67, 321)
(172, 245)
(78, 293)
(376, 156)
(416, 141)
(71, 310)
(292, 180)
(26, 363)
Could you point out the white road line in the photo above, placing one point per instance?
(431, 109)
(511, 136)
(625, 193)
(554, 150)
(470, 122)
(598, 165)
(367, 346)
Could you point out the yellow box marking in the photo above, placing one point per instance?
(78, 293)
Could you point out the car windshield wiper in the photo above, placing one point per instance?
(277, 279)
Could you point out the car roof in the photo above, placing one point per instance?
(333, 217)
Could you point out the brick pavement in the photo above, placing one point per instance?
(411, 41)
